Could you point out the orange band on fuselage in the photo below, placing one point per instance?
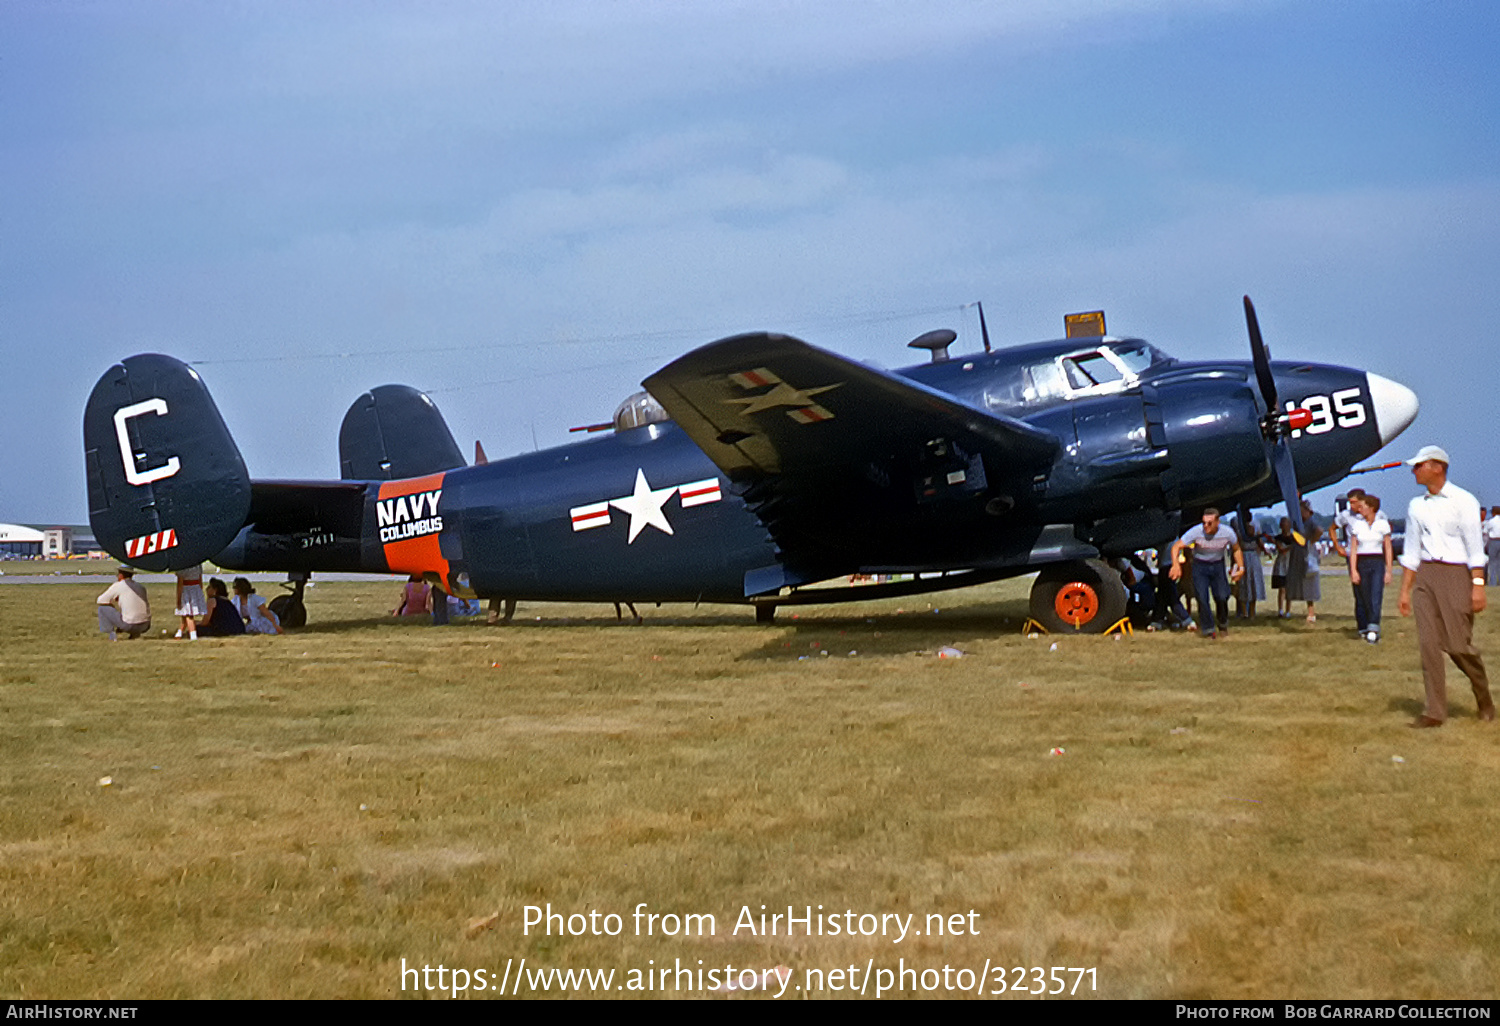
(421, 554)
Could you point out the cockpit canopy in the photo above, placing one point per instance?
(1072, 371)
(639, 410)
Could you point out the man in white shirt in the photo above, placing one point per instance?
(123, 608)
(1492, 547)
(1444, 583)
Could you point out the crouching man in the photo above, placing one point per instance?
(123, 608)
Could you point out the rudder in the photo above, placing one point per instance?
(167, 486)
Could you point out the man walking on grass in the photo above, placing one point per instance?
(1210, 540)
(1444, 584)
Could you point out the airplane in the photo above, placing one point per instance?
(760, 470)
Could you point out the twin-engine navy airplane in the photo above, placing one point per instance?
(754, 467)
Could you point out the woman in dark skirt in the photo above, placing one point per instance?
(223, 620)
(1303, 583)
(1284, 543)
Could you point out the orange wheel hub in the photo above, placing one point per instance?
(1076, 603)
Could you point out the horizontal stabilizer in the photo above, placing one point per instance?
(393, 432)
(167, 486)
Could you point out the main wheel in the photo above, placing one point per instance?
(289, 610)
(1086, 597)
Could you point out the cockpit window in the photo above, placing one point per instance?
(639, 410)
(1087, 370)
(1042, 381)
(1111, 365)
(1136, 357)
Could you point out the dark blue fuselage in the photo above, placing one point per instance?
(516, 535)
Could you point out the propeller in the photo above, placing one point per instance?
(1276, 426)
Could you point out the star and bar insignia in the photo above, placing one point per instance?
(779, 393)
(646, 505)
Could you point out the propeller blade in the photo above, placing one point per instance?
(1276, 434)
(1262, 358)
(1286, 478)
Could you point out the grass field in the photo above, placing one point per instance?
(294, 816)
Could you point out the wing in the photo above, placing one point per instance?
(850, 467)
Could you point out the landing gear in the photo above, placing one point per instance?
(1086, 597)
(289, 609)
(765, 612)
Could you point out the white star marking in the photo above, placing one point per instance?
(645, 506)
(782, 395)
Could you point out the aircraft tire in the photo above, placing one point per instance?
(290, 610)
(1085, 597)
(765, 613)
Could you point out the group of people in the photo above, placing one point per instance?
(125, 610)
(1449, 556)
(1361, 534)
(418, 597)
(1492, 548)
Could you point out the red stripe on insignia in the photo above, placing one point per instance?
(757, 378)
(593, 515)
(697, 493)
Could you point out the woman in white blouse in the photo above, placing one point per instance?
(1370, 558)
(257, 615)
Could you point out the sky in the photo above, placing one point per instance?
(526, 208)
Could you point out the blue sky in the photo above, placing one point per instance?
(525, 208)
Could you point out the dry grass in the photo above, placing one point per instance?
(293, 816)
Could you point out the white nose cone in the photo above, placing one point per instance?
(1395, 406)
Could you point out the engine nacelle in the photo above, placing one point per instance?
(1214, 442)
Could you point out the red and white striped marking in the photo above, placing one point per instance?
(149, 543)
(696, 493)
(810, 414)
(757, 378)
(593, 515)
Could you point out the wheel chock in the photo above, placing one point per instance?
(1122, 627)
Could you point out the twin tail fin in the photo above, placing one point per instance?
(167, 486)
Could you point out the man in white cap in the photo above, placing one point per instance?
(123, 608)
(1444, 582)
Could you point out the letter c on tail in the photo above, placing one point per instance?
(125, 413)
